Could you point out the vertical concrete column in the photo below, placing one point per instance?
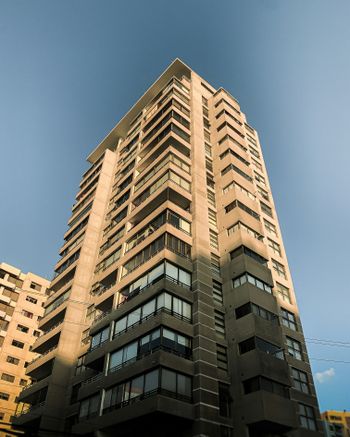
(205, 387)
(74, 322)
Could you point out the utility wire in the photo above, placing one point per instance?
(332, 361)
(327, 341)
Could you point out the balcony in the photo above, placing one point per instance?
(28, 392)
(168, 191)
(258, 363)
(36, 410)
(41, 365)
(157, 406)
(66, 264)
(268, 412)
(46, 336)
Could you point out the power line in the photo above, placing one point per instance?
(330, 360)
(327, 341)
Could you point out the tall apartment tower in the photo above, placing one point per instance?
(21, 305)
(172, 309)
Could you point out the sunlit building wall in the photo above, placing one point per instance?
(172, 308)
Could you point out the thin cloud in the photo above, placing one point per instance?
(325, 376)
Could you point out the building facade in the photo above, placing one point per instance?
(172, 308)
(336, 423)
(21, 305)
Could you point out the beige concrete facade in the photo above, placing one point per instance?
(174, 237)
(22, 297)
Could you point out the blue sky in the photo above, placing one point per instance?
(70, 69)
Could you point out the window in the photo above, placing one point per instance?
(211, 198)
(251, 139)
(57, 302)
(166, 216)
(7, 377)
(238, 187)
(259, 178)
(112, 239)
(209, 164)
(288, 319)
(271, 229)
(300, 380)
(262, 345)
(266, 209)
(307, 417)
(221, 355)
(217, 292)
(208, 150)
(237, 203)
(254, 152)
(241, 226)
(116, 220)
(168, 176)
(227, 114)
(167, 269)
(28, 314)
(170, 157)
(243, 250)
(263, 193)
(210, 181)
(213, 239)
(163, 302)
(226, 124)
(229, 138)
(2, 415)
(265, 384)
(236, 155)
(224, 400)
(294, 348)
(167, 241)
(100, 338)
(212, 218)
(248, 278)
(279, 268)
(109, 260)
(282, 292)
(257, 164)
(219, 319)
(226, 103)
(89, 407)
(275, 247)
(31, 299)
(23, 382)
(160, 380)
(161, 338)
(74, 393)
(237, 170)
(35, 286)
(215, 264)
(12, 360)
(18, 344)
(4, 396)
(249, 308)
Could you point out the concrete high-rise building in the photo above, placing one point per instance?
(336, 423)
(172, 309)
(21, 305)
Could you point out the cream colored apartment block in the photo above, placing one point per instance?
(22, 297)
(172, 309)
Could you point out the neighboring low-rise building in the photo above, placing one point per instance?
(336, 423)
(21, 306)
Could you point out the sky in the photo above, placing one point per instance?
(70, 69)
